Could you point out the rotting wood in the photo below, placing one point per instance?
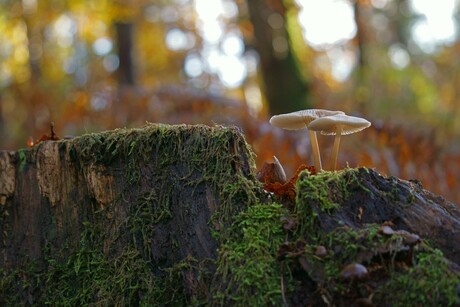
(373, 198)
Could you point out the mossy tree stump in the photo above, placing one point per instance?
(132, 203)
(173, 215)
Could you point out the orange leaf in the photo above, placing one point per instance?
(286, 191)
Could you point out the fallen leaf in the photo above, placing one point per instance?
(286, 191)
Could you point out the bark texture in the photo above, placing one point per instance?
(373, 198)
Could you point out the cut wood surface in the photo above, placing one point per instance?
(174, 215)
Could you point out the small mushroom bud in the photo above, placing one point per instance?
(354, 271)
(320, 251)
(388, 223)
(300, 244)
(272, 172)
(289, 223)
(409, 239)
(279, 172)
(386, 230)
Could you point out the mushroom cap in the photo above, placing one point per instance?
(410, 239)
(300, 119)
(347, 124)
(354, 271)
(320, 251)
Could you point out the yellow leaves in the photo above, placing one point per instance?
(425, 92)
(21, 74)
(123, 13)
(21, 55)
(155, 55)
(14, 51)
(18, 33)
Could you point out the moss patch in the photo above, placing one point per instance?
(327, 190)
(430, 282)
(248, 273)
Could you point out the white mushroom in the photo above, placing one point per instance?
(301, 119)
(338, 125)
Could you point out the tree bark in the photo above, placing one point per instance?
(374, 198)
(2, 121)
(124, 35)
(285, 88)
(361, 41)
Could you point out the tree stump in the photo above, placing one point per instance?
(174, 215)
(152, 196)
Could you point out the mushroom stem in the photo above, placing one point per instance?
(315, 149)
(335, 149)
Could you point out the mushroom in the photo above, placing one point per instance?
(354, 271)
(301, 119)
(272, 172)
(320, 251)
(386, 230)
(338, 125)
(409, 239)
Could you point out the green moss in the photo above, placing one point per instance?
(213, 156)
(88, 276)
(248, 271)
(13, 283)
(430, 282)
(326, 190)
(22, 159)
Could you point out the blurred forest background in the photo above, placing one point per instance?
(90, 66)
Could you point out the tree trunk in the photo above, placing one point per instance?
(2, 121)
(360, 37)
(283, 84)
(174, 215)
(31, 93)
(124, 35)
